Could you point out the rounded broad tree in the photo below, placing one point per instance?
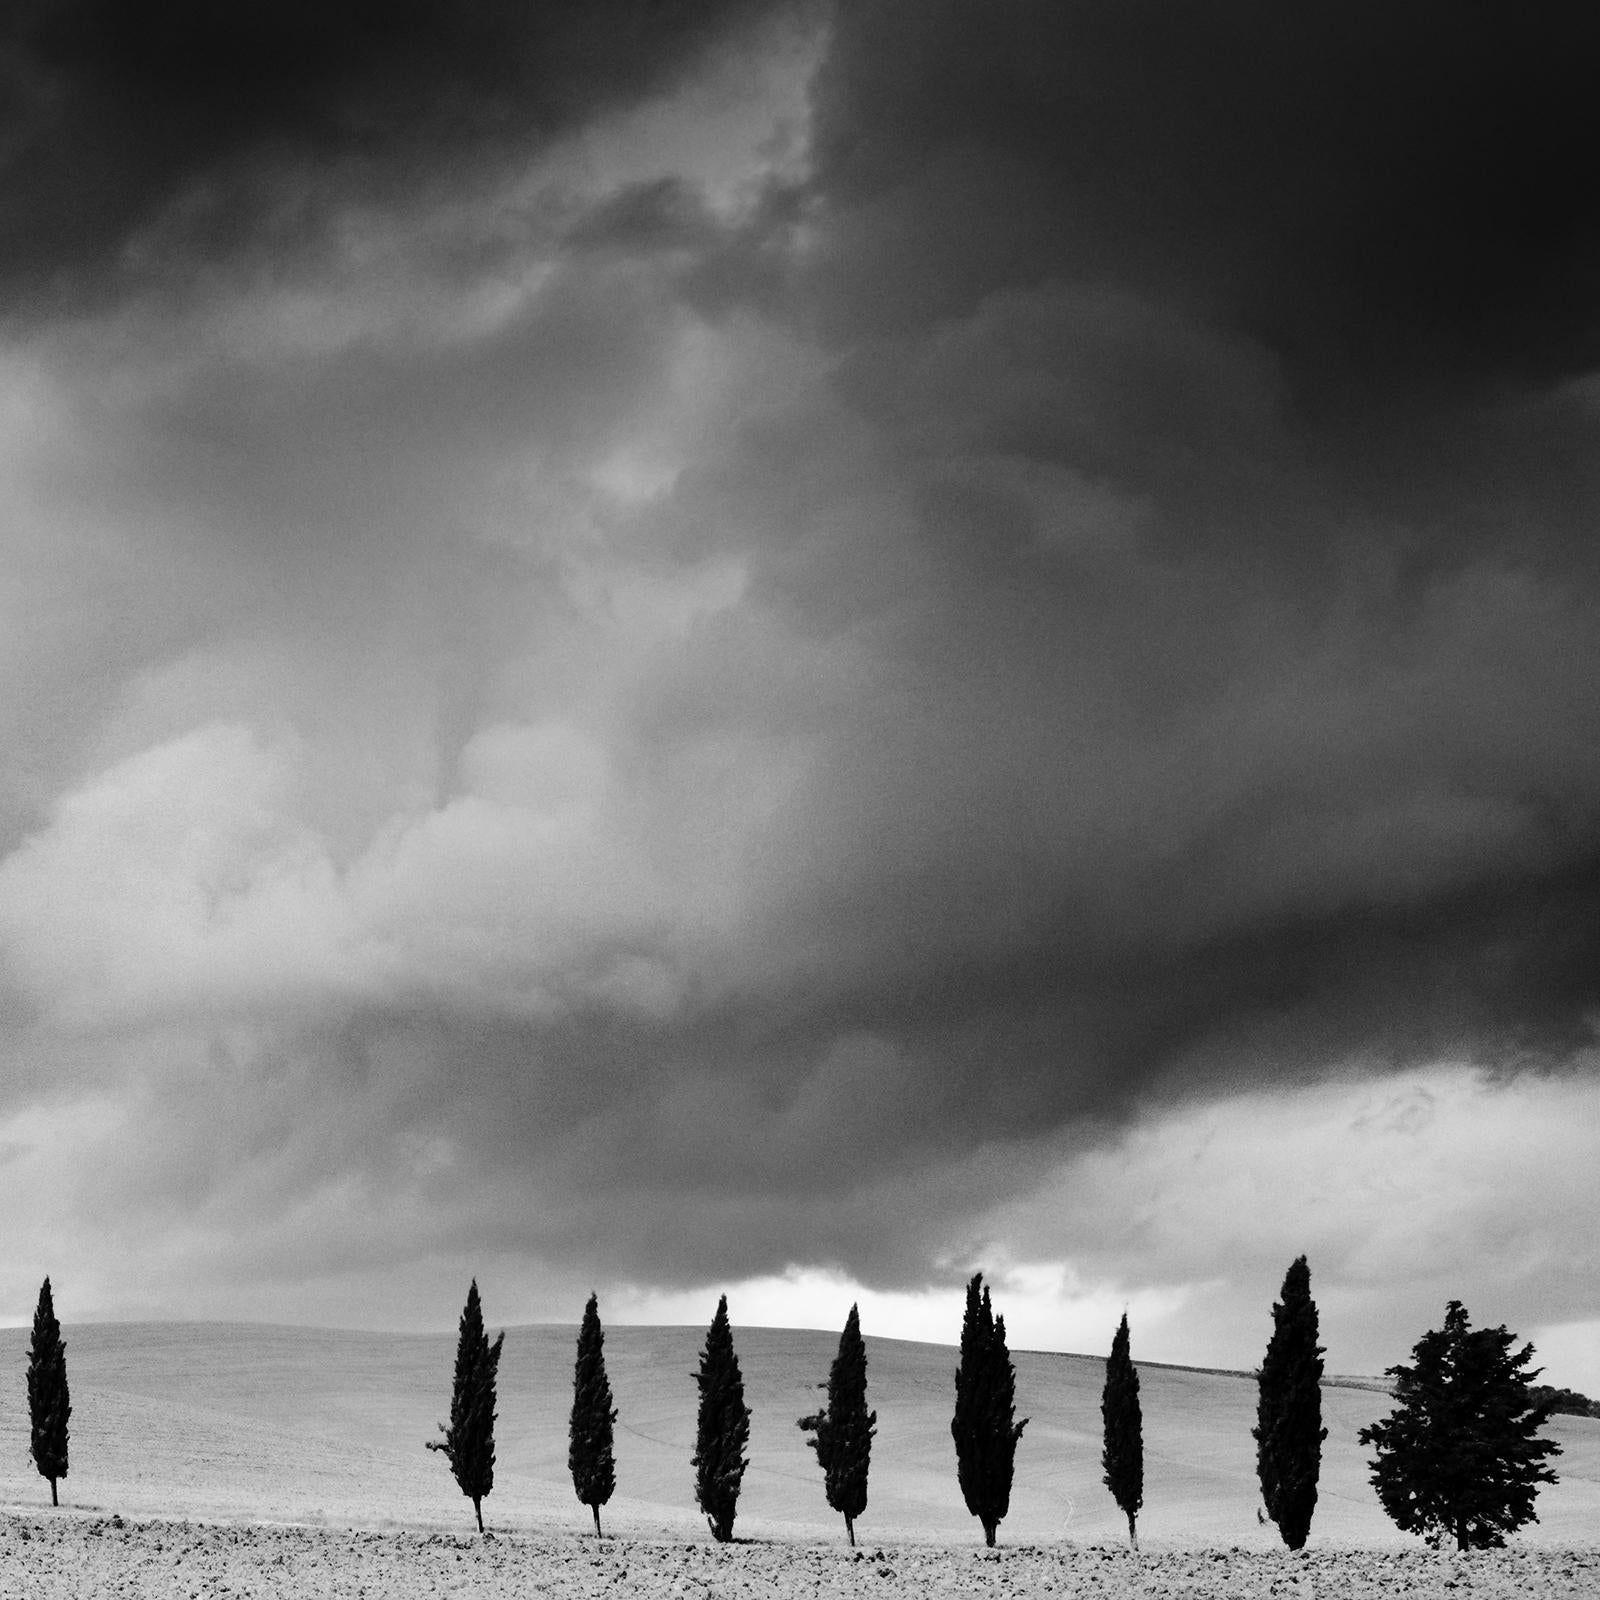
(1460, 1456)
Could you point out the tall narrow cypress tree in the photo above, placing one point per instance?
(723, 1429)
(469, 1439)
(842, 1433)
(1289, 1431)
(49, 1404)
(589, 1457)
(1123, 1456)
(984, 1426)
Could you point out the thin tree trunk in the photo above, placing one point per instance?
(596, 1509)
(477, 1506)
(850, 1528)
(53, 1500)
(1133, 1532)
(988, 1534)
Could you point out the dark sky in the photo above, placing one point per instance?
(676, 645)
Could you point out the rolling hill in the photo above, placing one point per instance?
(253, 1422)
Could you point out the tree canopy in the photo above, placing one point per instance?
(589, 1435)
(49, 1403)
(468, 1440)
(841, 1433)
(1460, 1456)
(1122, 1456)
(984, 1426)
(723, 1428)
(1288, 1430)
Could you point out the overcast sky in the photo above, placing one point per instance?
(684, 645)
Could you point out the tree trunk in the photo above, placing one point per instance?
(1133, 1532)
(850, 1528)
(988, 1532)
(596, 1509)
(53, 1500)
(477, 1506)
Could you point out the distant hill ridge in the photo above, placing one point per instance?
(541, 1329)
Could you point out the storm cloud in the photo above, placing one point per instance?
(676, 642)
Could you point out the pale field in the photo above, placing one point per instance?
(289, 1461)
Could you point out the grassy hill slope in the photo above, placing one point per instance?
(257, 1422)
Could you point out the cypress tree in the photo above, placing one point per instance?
(723, 1429)
(1460, 1456)
(49, 1404)
(589, 1457)
(984, 1426)
(1123, 1456)
(469, 1439)
(841, 1434)
(1289, 1431)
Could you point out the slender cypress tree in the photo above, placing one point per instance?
(1289, 1431)
(842, 1434)
(1123, 1457)
(469, 1439)
(589, 1457)
(984, 1426)
(723, 1429)
(49, 1404)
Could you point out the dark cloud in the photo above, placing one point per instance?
(752, 710)
(1375, 194)
(1216, 498)
(182, 132)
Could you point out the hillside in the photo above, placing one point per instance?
(257, 1422)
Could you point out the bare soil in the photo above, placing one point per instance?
(45, 1556)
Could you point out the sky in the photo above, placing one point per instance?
(752, 645)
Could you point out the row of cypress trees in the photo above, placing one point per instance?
(1458, 1458)
(984, 1426)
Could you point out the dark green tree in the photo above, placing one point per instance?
(723, 1429)
(469, 1438)
(841, 1434)
(1459, 1457)
(1123, 1456)
(984, 1426)
(589, 1457)
(1288, 1430)
(49, 1404)
(1564, 1402)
